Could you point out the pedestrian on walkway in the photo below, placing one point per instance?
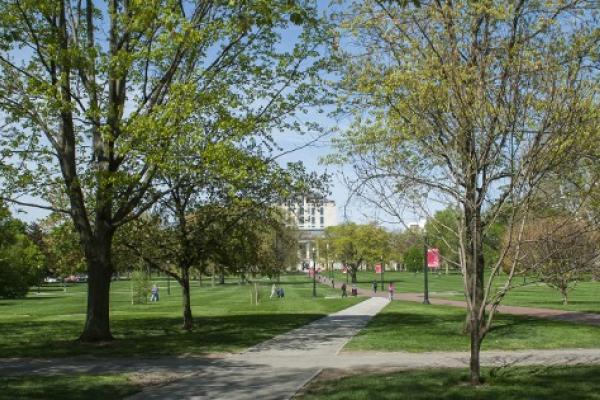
(374, 285)
(354, 290)
(344, 294)
(332, 284)
(391, 289)
(154, 293)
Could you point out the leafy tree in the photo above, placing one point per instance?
(354, 244)
(413, 259)
(105, 91)
(60, 245)
(468, 104)
(21, 262)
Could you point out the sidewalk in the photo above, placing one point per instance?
(277, 368)
(559, 315)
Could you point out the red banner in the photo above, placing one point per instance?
(433, 258)
(378, 268)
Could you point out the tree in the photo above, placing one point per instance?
(413, 258)
(21, 261)
(468, 104)
(218, 213)
(354, 244)
(102, 94)
(60, 245)
(559, 251)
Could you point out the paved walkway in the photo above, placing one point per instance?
(559, 315)
(277, 368)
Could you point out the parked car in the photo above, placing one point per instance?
(50, 279)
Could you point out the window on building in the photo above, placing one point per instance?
(322, 220)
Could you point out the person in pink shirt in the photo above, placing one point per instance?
(391, 289)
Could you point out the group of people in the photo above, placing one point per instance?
(391, 289)
(277, 291)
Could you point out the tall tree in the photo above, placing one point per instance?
(97, 93)
(469, 104)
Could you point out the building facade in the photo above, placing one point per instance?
(311, 216)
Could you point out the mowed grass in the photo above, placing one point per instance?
(67, 387)
(414, 327)
(515, 383)
(46, 324)
(527, 293)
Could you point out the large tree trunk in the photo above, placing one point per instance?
(188, 321)
(354, 279)
(99, 268)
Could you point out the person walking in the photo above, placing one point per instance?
(154, 293)
(391, 289)
(344, 294)
(273, 291)
(374, 286)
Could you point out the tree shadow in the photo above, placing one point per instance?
(148, 336)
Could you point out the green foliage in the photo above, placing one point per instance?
(353, 244)
(140, 286)
(21, 262)
(413, 259)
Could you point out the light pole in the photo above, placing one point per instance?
(327, 261)
(314, 254)
(382, 269)
(425, 268)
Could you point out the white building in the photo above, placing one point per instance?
(311, 215)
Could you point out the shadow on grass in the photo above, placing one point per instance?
(147, 337)
(558, 383)
(66, 387)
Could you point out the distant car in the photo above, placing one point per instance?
(50, 279)
(82, 277)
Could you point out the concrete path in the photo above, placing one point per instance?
(559, 315)
(277, 368)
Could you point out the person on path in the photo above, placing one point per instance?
(391, 290)
(344, 294)
(154, 293)
(273, 291)
(354, 290)
(374, 285)
(332, 284)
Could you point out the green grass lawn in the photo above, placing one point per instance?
(515, 383)
(67, 387)
(46, 324)
(414, 327)
(585, 297)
